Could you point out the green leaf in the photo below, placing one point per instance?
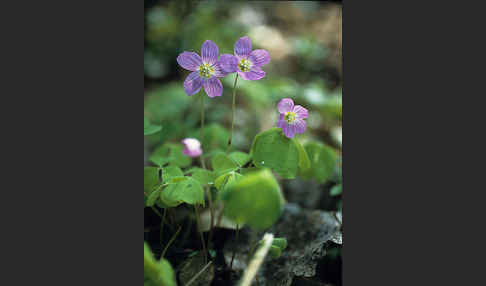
(150, 179)
(241, 158)
(254, 199)
(273, 150)
(275, 251)
(171, 172)
(304, 162)
(323, 161)
(157, 272)
(182, 190)
(171, 154)
(246, 171)
(336, 190)
(222, 163)
(204, 177)
(281, 242)
(151, 129)
(152, 198)
(226, 179)
(148, 128)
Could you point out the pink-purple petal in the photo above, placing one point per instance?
(209, 52)
(213, 87)
(218, 70)
(228, 63)
(192, 153)
(259, 57)
(189, 60)
(255, 73)
(300, 126)
(285, 105)
(301, 111)
(289, 130)
(243, 47)
(281, 122)
(193, 83)
(192, 147)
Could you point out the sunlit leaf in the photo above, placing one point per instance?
(182, 190)
(171, 172)
(226, 179)
(241, 158)
(271, 149)
(254, 199)
(203, 176)
(150, 179)
(222, 163)
(152, 198)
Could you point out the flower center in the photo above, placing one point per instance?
(244, 65)
(205, 70)
(290, 117)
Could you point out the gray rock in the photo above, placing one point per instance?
(307, 232)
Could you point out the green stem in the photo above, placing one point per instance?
(211, 212)
(170, 242)
(198, 223)
(208, 191)
(202, 128)
(233, 113)
(156, 211)
(162, 223)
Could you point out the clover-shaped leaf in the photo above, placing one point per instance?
(171, 154)
(254, 199)
(182, 190)
(271, 149)
(222, 163)
(241, 158)
(226, 179)
(203, 176)
(323, 162)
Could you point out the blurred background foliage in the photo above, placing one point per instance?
(304, 41)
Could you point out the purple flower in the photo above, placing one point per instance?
(205, 70)
(291, 117)
(192, 147)
(246, 62)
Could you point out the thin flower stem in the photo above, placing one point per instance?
(233, 113)
(162, 223)
(156, 211)
(202, 128)
(208, 191)
(198, 224)
(211, 212)
(170, 242)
